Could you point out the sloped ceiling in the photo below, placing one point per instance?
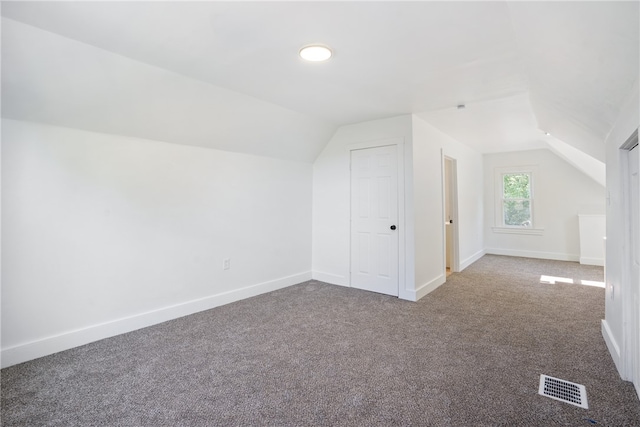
(51, 79)
(520, 68)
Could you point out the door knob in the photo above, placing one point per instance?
(393, 227)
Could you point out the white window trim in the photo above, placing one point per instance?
(519, 230)
(499, 226)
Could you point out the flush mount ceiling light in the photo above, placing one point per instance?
(315, 53)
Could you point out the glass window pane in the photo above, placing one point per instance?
(517, 212)
(516, 186)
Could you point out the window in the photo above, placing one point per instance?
(516, 200)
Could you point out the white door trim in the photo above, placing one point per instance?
(402, 224)
(630, 330)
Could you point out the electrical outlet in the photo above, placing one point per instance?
(226, 264)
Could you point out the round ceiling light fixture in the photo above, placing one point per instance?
(315, 53)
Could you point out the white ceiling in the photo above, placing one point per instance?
(51, 79)
(565, 67)
(502, 124)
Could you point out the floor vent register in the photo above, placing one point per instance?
(564, 391)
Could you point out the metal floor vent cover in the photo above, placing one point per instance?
(564, 391)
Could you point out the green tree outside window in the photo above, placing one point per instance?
(516, 199)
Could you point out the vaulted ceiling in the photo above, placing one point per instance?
(521, 68)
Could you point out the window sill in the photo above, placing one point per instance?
(519, 230)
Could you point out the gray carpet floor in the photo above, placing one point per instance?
(469, 353)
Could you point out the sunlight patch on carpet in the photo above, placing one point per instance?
(552, 280)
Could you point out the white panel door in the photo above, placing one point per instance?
(374, 219)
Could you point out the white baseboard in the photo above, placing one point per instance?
(473, 258)
(613, 347)
(533, 254)
(425, 289)
(330, 278)
(592, 261)
(64, 341)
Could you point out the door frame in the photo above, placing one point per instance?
(631, 327)
(402, 224)
(455, 238)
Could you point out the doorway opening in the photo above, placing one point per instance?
(450, 213)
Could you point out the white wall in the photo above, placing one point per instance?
(331, 203)
(429, 145)
(561, 192)
(618, 288)
(104, 234)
